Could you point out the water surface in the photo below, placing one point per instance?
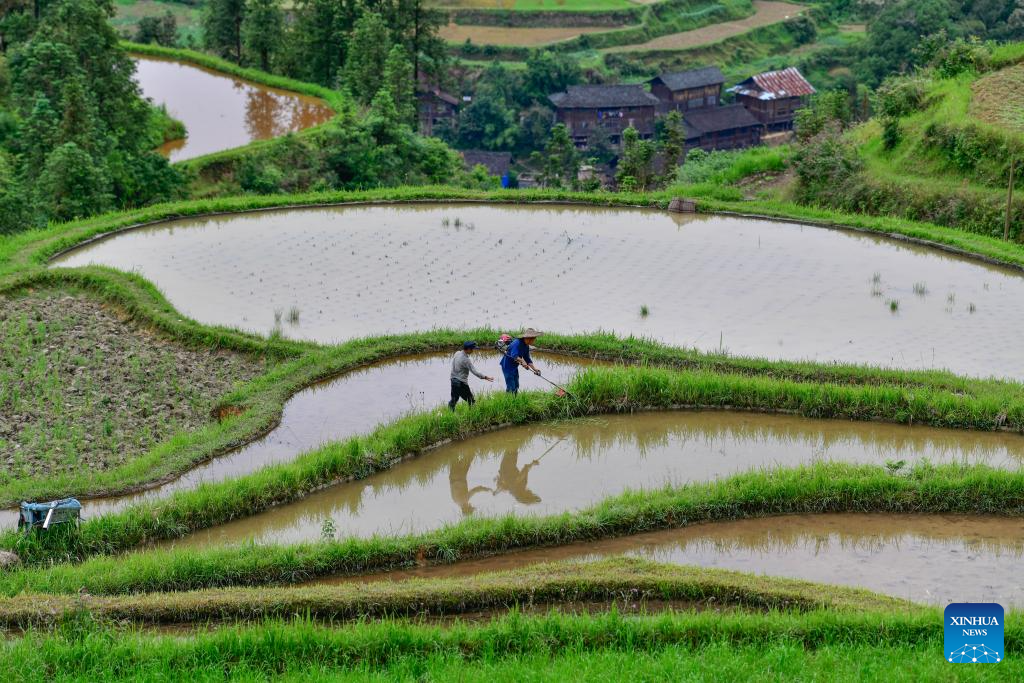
(751, 287)
(221, 111)
(543, 469)
(933, 559)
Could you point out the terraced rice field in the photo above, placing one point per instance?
(515, 36)
(765, 12)
(998, 98)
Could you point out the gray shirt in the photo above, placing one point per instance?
(462, 366)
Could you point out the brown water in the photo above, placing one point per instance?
(352, 403)
(571, 465)
(220, 111)
(925, 558)
(751, 287)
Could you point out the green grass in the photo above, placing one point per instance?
(736, 646)
(601, 582)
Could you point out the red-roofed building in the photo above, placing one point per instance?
(774, 97)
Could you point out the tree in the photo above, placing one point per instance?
(368, 50)
(599, 145)
(560, 162)
(399, 81)
(897, 30)
(673, 143)
(71, 184)
(161, 30)
(222, 27)
(637, 160)
(549, 72)
(317, 41)
(416, 27)
(262, 28)
(487, 122)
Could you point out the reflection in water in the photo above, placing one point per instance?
(570, 465)
(353, 403)
(925, 558)
(755, 287)
(220, 111)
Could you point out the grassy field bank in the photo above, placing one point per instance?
(712, 646)
(623, 580)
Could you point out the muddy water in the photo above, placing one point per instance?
(752, 287)
(353, 403)
(221, 111)
(925, 558)
(570, 465)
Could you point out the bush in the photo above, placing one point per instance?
(891, 133)
(825, 165)
(901, 95)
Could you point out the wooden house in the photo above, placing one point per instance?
(688, 90)
(582, 108)
(774, 97)
(435, 106)
(727, 127)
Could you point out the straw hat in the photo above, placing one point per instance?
(529, 333)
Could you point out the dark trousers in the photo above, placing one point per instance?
(460, 390)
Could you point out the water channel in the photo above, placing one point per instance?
(221, 111)
(751, 287)
(933, 559)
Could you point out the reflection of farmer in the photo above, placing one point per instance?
(462, 365)
(458, 482)
(518, 353)
(514, 480)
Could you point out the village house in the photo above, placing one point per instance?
(582, 108)
(774, 97)
(687, 90)
(727, 127)
(435, 107)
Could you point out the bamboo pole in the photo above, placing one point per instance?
(1009, 201)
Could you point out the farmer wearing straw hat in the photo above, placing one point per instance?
(518, 353)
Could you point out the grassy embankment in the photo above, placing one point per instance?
(951, 162)
(706, 646)
(626, 581)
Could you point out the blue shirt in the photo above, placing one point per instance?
(517, 349)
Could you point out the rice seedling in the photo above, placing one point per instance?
(894, 305)
(278, 314)
(971, 308)
(876, 278)
(951, 298)
(644, 311)
(293, 315)
(920, 289)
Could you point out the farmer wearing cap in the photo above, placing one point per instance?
(518, 353)
(461, 367)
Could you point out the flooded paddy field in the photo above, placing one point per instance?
(571, 465)
(221, 111)
(932, 559)
(750, 287)
(352, 403)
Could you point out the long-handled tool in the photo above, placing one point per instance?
(562, 389)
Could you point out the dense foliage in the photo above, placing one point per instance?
(75, 135)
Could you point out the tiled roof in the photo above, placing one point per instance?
(772, 85)
(697, 78)
(593, 96)
(497, 163)
(714, 119)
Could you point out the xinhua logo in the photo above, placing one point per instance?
(973, 633)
